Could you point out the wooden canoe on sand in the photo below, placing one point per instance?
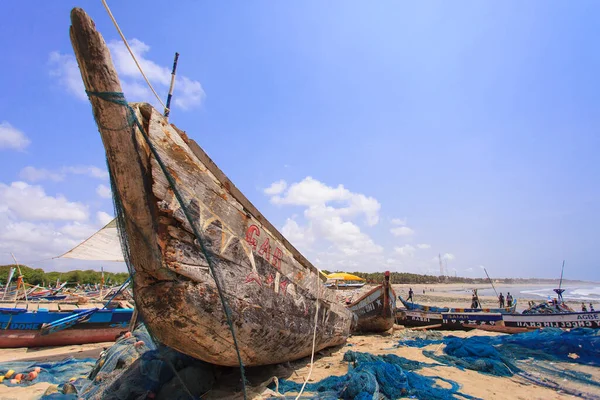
(272, 291)
(376, 309)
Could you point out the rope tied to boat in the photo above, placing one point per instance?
(133, 121)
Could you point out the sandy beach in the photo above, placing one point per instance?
(459, 295)
(329, 361)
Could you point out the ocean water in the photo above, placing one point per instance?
(581, 292)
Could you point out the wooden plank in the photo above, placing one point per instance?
(32, 306)
(67, 307)
(50, 306)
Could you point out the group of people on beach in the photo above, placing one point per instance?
(509, 300)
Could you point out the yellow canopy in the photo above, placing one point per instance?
(344, 277)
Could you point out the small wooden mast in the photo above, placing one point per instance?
(99, 75)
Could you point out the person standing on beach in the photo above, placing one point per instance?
(583, 307)
(592, 308)
(410, 295)
(475, 300)
(509, 300)
(501, 300)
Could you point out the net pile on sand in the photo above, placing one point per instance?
(543, 356)
(377, 377)
(134, 367)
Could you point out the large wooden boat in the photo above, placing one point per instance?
(191, 237)
(375, 309)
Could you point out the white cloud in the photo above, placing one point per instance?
(35, 225)
(300, 237)
(64, 68)
(32, 203)
(326, 231)
(405, 251)
(103, 218)
(423, 246)
(12, 138)
(448, 256)
(33, 174)
(402, 231)
(310, 192)
(276, 188)
(188, 92)
(104, 191)
(398, 221)
(78, 230)
(89, 170)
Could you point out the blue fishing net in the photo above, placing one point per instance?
(373, 377)
(51, 372)
(542, 356)
(410, 338)
(134, 367)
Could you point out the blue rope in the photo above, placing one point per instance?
(119, 98)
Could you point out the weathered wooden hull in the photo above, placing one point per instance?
(274, 294)
(375, 310)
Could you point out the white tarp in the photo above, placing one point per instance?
(103, 245)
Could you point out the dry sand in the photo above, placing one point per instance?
(329, 361)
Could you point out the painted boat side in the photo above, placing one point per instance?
(457, 320)
(560, 320)
(414, 318)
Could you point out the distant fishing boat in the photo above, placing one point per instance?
(515, 323)
(375, 309)
(342, 280)
(418, 315)
(432, 309)
(213, 277)
(40, 325)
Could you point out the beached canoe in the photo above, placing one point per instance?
(433, 309)
(514, 323)
(20, 327)
(194, 240)
(376, 309)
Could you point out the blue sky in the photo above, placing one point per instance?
(465, 130)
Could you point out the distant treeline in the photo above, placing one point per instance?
(406, 277)
(38, 276)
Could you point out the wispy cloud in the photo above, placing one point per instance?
(63, 67)
(33, 174)
(189, 93)
(12, 138)
(402, 231)
(104, 191)
(276, 188)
